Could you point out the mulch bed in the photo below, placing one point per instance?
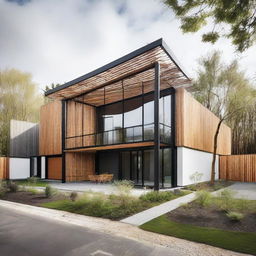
(30, 198)
(208, 217)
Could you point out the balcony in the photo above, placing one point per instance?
(133, 134)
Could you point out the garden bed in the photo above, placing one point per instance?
(219, 184)
(31, 198)
(220, 220)
(212, 217)
(114, 206)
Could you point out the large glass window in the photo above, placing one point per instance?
(167, 168)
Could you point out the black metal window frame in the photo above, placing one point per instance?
(165, 92)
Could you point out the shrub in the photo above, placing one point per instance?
(225, 200)
(33, 180)
(73, 196)
(203, 198)
(50, 191)
(235, 216)
(12, 186)
(3, 189)
(32, 191)
(155, 196)
(124, 187)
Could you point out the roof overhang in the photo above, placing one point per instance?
(128, 65)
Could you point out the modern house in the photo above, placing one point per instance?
(132, 118)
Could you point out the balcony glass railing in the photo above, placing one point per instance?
(118, 136)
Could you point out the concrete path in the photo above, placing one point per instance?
(154, 212)
(46, 238)
(244, 190)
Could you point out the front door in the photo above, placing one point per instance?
(132, 166)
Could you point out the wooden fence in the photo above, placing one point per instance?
(238, 168)
(4, 168)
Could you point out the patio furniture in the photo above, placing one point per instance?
(102, 178)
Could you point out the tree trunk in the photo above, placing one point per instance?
(215, 144)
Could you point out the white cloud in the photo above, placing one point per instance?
(59, 40)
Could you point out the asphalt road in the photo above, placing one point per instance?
(27, 235)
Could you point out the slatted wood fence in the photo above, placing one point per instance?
(4, 168)
(238, 168)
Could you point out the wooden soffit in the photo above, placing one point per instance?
(129, 65)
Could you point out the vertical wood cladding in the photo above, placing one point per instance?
(54, 166)
(81, 119)
(238, 168)
(79, 166)
(4, 168)
(50, 129)
(196, 126)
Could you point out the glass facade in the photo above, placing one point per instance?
(138, 166)
(132, 120)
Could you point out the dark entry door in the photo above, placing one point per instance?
(132, 166)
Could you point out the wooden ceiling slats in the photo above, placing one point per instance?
(170, 76)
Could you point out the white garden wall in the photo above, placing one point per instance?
(19, 168)
(190, 161)
(43, 167)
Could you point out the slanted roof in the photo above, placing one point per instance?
(129, 65)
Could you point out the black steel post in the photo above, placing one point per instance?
(156, 127)
(63, 130)
(173, 136)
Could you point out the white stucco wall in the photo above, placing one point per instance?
(190, 161)
(19, 168)
(43, 167)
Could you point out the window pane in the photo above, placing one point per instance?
(165, 110)
(149, 109)
(149, 168)
(133, 112)
(167, 167)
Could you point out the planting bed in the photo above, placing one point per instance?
(212, 217)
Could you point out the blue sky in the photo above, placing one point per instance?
(59, 40)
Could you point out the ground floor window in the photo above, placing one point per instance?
(137, 165)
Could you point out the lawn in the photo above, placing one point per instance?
(244, 242)
(33, 183)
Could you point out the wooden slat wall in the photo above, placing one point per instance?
(238, 168)
(4, 168)
(79, 166)
(77, 125)
(196, 125)
(50, 129)
(54, 168)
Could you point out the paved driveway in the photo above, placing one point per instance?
(27, 235)
(244, 190)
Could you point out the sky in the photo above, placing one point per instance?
(59, 40)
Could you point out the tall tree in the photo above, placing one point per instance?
(225, 91)
(19, 99)
(235, 19)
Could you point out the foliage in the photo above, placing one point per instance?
(219, 184)
(50, 191)
(114, 206)
(32, 191)
(203, 198)
(225, 200)
(225, 91)
(235, 216)
(19, 99)
(232, 19)
(38, 183)
(231, 240)
(158, 196)
(33, 179)
(12, 186)
(73, 196)
(123, 187)
(3, 188)
(196, 177)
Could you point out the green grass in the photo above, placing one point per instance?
(39, 183)
(111, 206)
(243, 242)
